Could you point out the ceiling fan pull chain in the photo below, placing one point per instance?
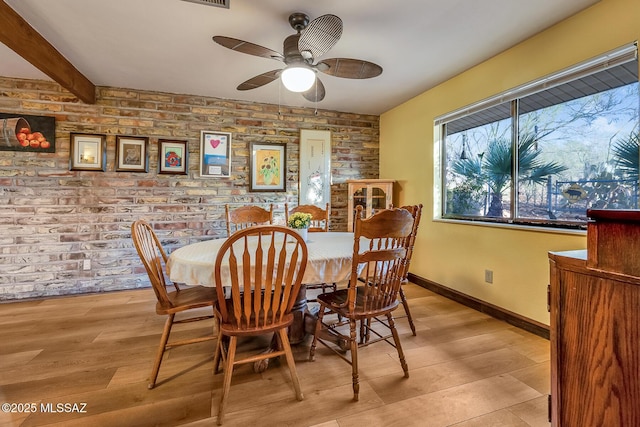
(316, 112)
(279, 92)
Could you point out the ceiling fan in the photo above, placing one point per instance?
(300, 54)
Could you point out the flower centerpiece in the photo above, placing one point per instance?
(300, 222)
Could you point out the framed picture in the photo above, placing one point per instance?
(21, 132)
(131, 154)
(215, 154)
(268, 167)
(172, 157)
(315, 167)
(88, 152)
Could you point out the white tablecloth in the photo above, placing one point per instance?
(329, 260)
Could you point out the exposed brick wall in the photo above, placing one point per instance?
(52, 219)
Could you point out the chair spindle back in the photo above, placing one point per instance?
(247, 216)
(380, 249)
(265, 266)
(153, 258)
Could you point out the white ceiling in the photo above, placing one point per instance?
(165, 45)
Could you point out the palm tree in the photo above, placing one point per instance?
(626, 151)
(494, 168)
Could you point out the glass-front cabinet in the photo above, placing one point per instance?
(371, 194)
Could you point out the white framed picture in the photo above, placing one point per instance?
(315, 167)
(215, 154)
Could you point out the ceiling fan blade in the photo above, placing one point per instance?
(260, 80)
(248, 48)
(349, 68)
(316, 93)
(320, 35)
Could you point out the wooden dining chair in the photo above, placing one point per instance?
(319, 223)
(263, 267)
(376, 276)
(319, 216)
(247, 216)
(416, 212)
(183, 299)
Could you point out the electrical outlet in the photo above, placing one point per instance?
(488, 276)
(86, 264)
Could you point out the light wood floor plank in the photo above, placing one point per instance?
(466, 369)
(446, 407)
(449, 374)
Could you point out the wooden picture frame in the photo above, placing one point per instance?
(173, 157)
(215, 154)
(132, 154)
(315, 167)
(268, 167)
(88, 152)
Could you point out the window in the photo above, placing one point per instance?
(546, 152)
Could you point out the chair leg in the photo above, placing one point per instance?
(354, 360)
(316, 333)
(405, 304)
(228, 372)
(365, 330)
(396, 340)
(216, 357)
(286, 346)
(160, 353)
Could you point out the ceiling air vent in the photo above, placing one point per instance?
(216, 3)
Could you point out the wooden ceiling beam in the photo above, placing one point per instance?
(19, 36)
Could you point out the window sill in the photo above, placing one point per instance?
(555, 228)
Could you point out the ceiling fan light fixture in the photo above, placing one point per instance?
(298, 78)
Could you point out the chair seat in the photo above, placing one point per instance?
(233, 330)
(334, 300)
(188, 298)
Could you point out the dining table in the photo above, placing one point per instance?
(328, 261)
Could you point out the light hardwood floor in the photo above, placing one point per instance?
(466, 370)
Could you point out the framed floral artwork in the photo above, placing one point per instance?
(172, 157)
(215, 154)
(88, 152)
(268, 167)
(132, 154)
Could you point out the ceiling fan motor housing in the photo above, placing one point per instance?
(290, 50)
(298, 21)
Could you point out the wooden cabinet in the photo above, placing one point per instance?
(371, 194)
(594, 299)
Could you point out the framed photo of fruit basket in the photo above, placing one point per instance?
(132, 154)
(172, 157)
(21, 132)
(215, 154)
(88, 152)
(268, 167)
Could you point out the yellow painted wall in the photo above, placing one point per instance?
(456, 255)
